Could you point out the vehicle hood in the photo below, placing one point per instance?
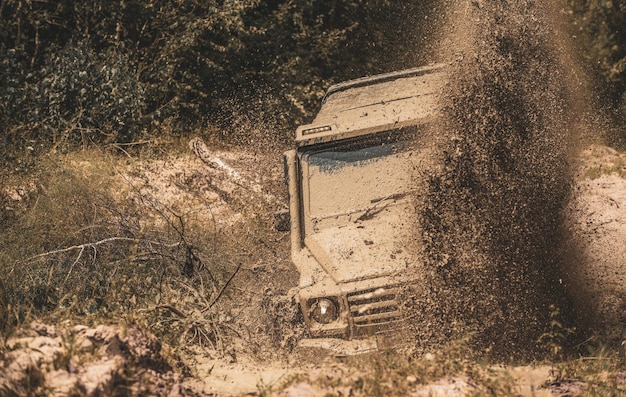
(363, 250)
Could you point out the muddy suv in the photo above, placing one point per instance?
(352, 179)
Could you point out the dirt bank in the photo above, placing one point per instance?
(261, 326)
(597, 215)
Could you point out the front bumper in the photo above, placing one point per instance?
(365, 308)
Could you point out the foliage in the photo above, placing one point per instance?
(113, 71)
(602, 369)
(602, 24)
(79, 96)
(118, 71)
(400, 373)
(84, 245)
(555, 340)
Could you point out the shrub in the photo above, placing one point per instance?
(108, 71)
(601, 27)
(83, 97)
(85, 247)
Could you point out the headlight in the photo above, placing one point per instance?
(323, 310)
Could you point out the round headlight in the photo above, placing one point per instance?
(324, 310)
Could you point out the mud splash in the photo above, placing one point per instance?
(491, 217)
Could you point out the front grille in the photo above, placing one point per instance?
(374, 306)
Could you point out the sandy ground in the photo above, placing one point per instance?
(264, 360)
(598, 215)
(598, 219)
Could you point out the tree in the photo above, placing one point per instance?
(111, 71)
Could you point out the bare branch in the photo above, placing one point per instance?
(222, 290)
(171, 309)
(74, 263)
(97, 243)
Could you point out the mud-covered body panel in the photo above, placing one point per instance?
(352, 182)
(374, 104)
(364, 250)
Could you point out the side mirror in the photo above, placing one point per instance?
(282, 220)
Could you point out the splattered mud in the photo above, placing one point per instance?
(491, 219)
(261, 357)
(511, 225)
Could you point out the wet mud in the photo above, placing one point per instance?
(491, 218)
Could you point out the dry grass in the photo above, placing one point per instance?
(603, 370)
(616, 167)
(447, 371)
(450, 371)
(84, 244)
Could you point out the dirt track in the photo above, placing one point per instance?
(263, 357)
(260, 353)
(597, 275)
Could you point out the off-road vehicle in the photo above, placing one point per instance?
(352, 180)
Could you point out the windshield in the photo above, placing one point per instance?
(358, 175)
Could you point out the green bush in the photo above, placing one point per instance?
(118, 71)
(82, 97)
(601, 25)
(114, 71)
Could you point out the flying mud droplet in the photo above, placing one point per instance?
(491, 216)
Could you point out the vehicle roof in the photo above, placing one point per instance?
(376, 103)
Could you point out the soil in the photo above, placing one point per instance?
(596, 213)
(509, 173)
(264, 357)
(597, 216)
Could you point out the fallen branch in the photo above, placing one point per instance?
(219, 295)
(209, 158)
(97, 243)
(171, 309)
(80, 254)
